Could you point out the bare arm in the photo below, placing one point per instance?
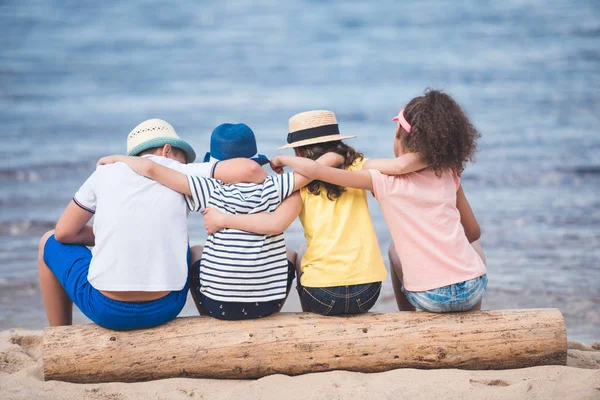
(240, 170)
(313, 170)
(72, 226)
(467, 217)
(165, 176)
(267, 223)
(404, 164)
(263, 223)
(327, 159)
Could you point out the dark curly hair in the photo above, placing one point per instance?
(441, 132)
(315, 151)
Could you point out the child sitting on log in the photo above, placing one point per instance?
(237, 275)
(436, 262)
(136, 274)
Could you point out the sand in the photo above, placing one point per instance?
(21, 378)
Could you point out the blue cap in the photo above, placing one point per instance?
(234, 141)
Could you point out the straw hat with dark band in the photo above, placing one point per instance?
(313, 127)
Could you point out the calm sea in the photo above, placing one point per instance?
(76, 77)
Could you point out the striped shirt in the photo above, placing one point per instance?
(240, 266)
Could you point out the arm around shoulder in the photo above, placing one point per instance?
(239, 170)
(354, 179)
(264, 223)
(404, 164)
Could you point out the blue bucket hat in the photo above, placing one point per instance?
(234, 141)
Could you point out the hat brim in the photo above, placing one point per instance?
(261, 159)
(322, 139)
(190, 154)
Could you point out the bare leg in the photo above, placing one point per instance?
(477, 246)
(298, 263)
(59, 307)
(195, 255)
(396, 272)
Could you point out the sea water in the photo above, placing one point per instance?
(76, 77)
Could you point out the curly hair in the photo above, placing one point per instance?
(315, 151)
(441, 132)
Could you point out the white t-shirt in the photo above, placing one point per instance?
(140, 228)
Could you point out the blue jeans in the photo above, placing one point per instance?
(340, 300)
(70, 264)
(461, 296)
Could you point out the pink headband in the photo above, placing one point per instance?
(402, 121)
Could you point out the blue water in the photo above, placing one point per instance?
(76, 77)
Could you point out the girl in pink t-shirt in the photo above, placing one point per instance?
(436, 262)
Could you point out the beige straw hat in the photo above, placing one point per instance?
(313, 127)
(156, 133)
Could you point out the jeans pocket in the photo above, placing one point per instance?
(371, 297)
(317, 301)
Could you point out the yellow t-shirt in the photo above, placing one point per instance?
(342, 246)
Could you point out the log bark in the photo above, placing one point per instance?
(297, 343)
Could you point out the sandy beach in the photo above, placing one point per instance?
(21, 377)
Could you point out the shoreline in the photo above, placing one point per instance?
(21, 377)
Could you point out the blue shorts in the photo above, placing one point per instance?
(339, 300)
(461, 296)
(70, 264)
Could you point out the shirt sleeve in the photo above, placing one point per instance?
(205, 170)
(284, 184)
(202, 189)
(380, 184)
(86, 196)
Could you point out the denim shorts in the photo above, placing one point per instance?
(70, 264)
(231, 310)
(461, 296)
(339, 300)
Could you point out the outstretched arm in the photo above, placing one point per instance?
(327, 159)
(161, 174)
(404, 164)
(263, 223)
(268, 223)
(239, 170)
(313, 170)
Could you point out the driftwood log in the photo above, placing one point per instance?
(298, 343)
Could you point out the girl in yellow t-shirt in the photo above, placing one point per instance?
(340, 269)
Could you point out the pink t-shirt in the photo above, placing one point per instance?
(421, 214)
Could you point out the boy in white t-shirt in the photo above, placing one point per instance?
(136, 275)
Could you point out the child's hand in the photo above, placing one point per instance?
(277, 164)
(214, 220)
(140, 165)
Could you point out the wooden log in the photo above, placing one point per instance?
(297, 343)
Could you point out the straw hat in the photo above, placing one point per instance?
(313, 127)
(156, 133)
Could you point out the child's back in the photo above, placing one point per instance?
(421, 213)
(342, 247)
(140, 228)
(239, 266)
